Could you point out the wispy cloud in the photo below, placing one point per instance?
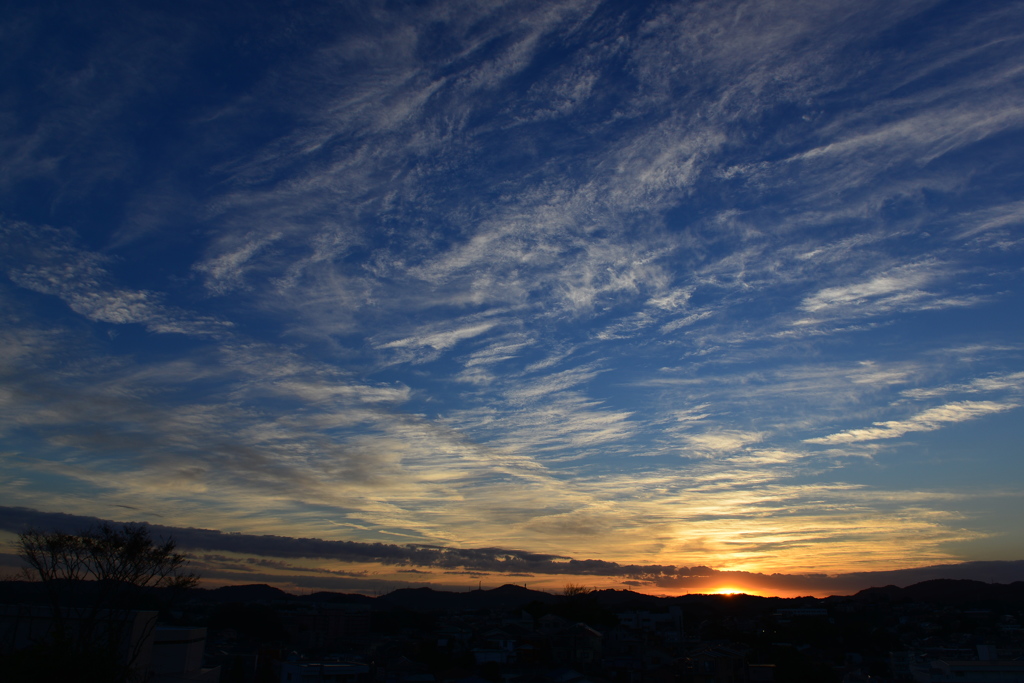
(928, 135)
(881, 292)
(1013, 381)
(47, 260)
(226, 270)
(926, 421)
(440, 340)
(996, 225)
(724, 441)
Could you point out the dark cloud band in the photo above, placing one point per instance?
(519, 562)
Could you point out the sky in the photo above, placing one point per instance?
(657, 295)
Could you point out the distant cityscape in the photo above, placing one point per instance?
(941, 630)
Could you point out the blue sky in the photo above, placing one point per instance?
(721, 284)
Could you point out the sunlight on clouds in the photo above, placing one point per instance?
(833, 526)
(600, 282)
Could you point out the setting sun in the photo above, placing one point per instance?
(730, 590)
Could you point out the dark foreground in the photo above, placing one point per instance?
(932, 631)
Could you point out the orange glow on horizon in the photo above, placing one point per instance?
(732, 590)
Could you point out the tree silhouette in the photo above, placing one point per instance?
(124, 557)
(572, 590)
(92, 581)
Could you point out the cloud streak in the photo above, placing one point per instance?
(925, 421)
